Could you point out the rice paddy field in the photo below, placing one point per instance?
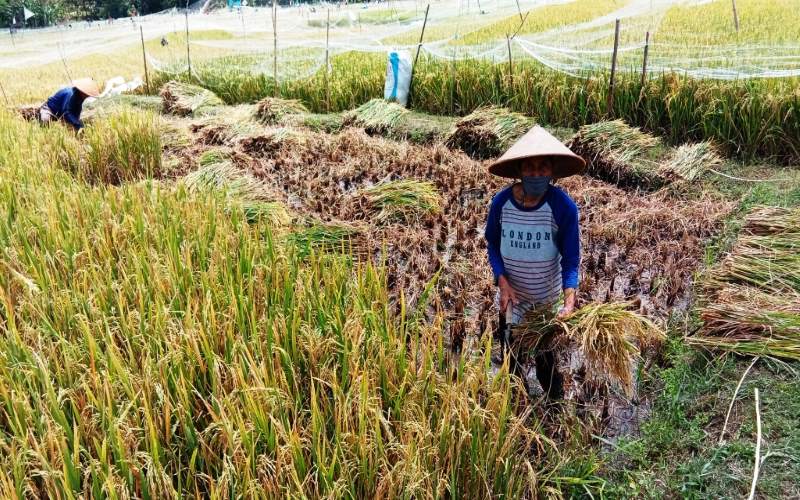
(232, 287)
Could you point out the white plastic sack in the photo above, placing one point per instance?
(398, 77)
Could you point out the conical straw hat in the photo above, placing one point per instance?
(538, 142)
(88, 86)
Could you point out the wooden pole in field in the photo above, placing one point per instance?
(520, 12)
(735, 15)
(144, 59)
(416, 56)
(327, 58)
(188, 56)
(644, 60)
(275, 46)
(510, 64)
(611, 83)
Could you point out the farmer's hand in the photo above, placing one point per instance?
(569, 303)
(507, 293)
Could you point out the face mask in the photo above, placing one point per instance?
(535, 186)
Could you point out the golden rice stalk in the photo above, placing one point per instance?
(487, 132)
(691, 161)
(184, 99)
(403, 200)
(272, 110)
(610, 337)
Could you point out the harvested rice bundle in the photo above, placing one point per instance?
(266, 142)
(608, 335)
(376, 116)
(271, 110)
(328, 237)
(749, 321)
(771, 263)
(691, 161)
(620, 154)
(184, 99)
(218, 174)
(772, 220)
(403, 200)
(487, 132)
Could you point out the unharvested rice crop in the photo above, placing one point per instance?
(158, 346)
(487, 132)
(184, 99)
(620, 154)
(272, 111)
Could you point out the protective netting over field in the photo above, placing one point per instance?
(570, 36)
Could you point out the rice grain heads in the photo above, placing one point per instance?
(691, 161)
(487, 132)
(184, 99)
(271, 110)
(403, 200)
(376, 116)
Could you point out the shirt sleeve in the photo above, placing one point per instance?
(568, 239)
(72, 113)
(493, 231)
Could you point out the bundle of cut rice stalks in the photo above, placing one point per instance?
(29, 112)
(218, 174)
(764, 221)
(227, 125)
(692, 161)
(184, 99)
(404, 200)
(609, 337)
(751, 300)
(271, 110)
(488, 132)
(376, 116)
(620, 154)
(330, 237)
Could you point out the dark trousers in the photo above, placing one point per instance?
(546, 367)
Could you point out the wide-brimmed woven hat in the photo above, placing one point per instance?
(88, 86)
(538, 142)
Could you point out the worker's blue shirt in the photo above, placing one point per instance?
(67, 104)
(536, 248)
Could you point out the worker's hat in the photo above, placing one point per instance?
(538, 142)
(88, 86)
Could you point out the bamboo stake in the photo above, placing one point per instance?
(416, 56)
(644, 60)
(519, 10)
(510, 64)
(735, 15)
(611, 83)
(327, 57)
(730, 407)
(144, 60)
(188, 56)
(757, 465)
(4, 93)
(275, 46)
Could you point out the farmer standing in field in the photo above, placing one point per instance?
(533, 240)
(67, 103)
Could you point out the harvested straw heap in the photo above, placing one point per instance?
(376, 116)
(608, 336)
(487, 132)
(271, 110)
(752, 298)
(405, 200)
(185, 99)
(620, 154)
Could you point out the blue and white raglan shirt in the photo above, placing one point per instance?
(536, 248)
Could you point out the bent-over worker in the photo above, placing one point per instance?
(67, 103)
(533, 239)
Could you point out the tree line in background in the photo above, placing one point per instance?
(48, 12)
